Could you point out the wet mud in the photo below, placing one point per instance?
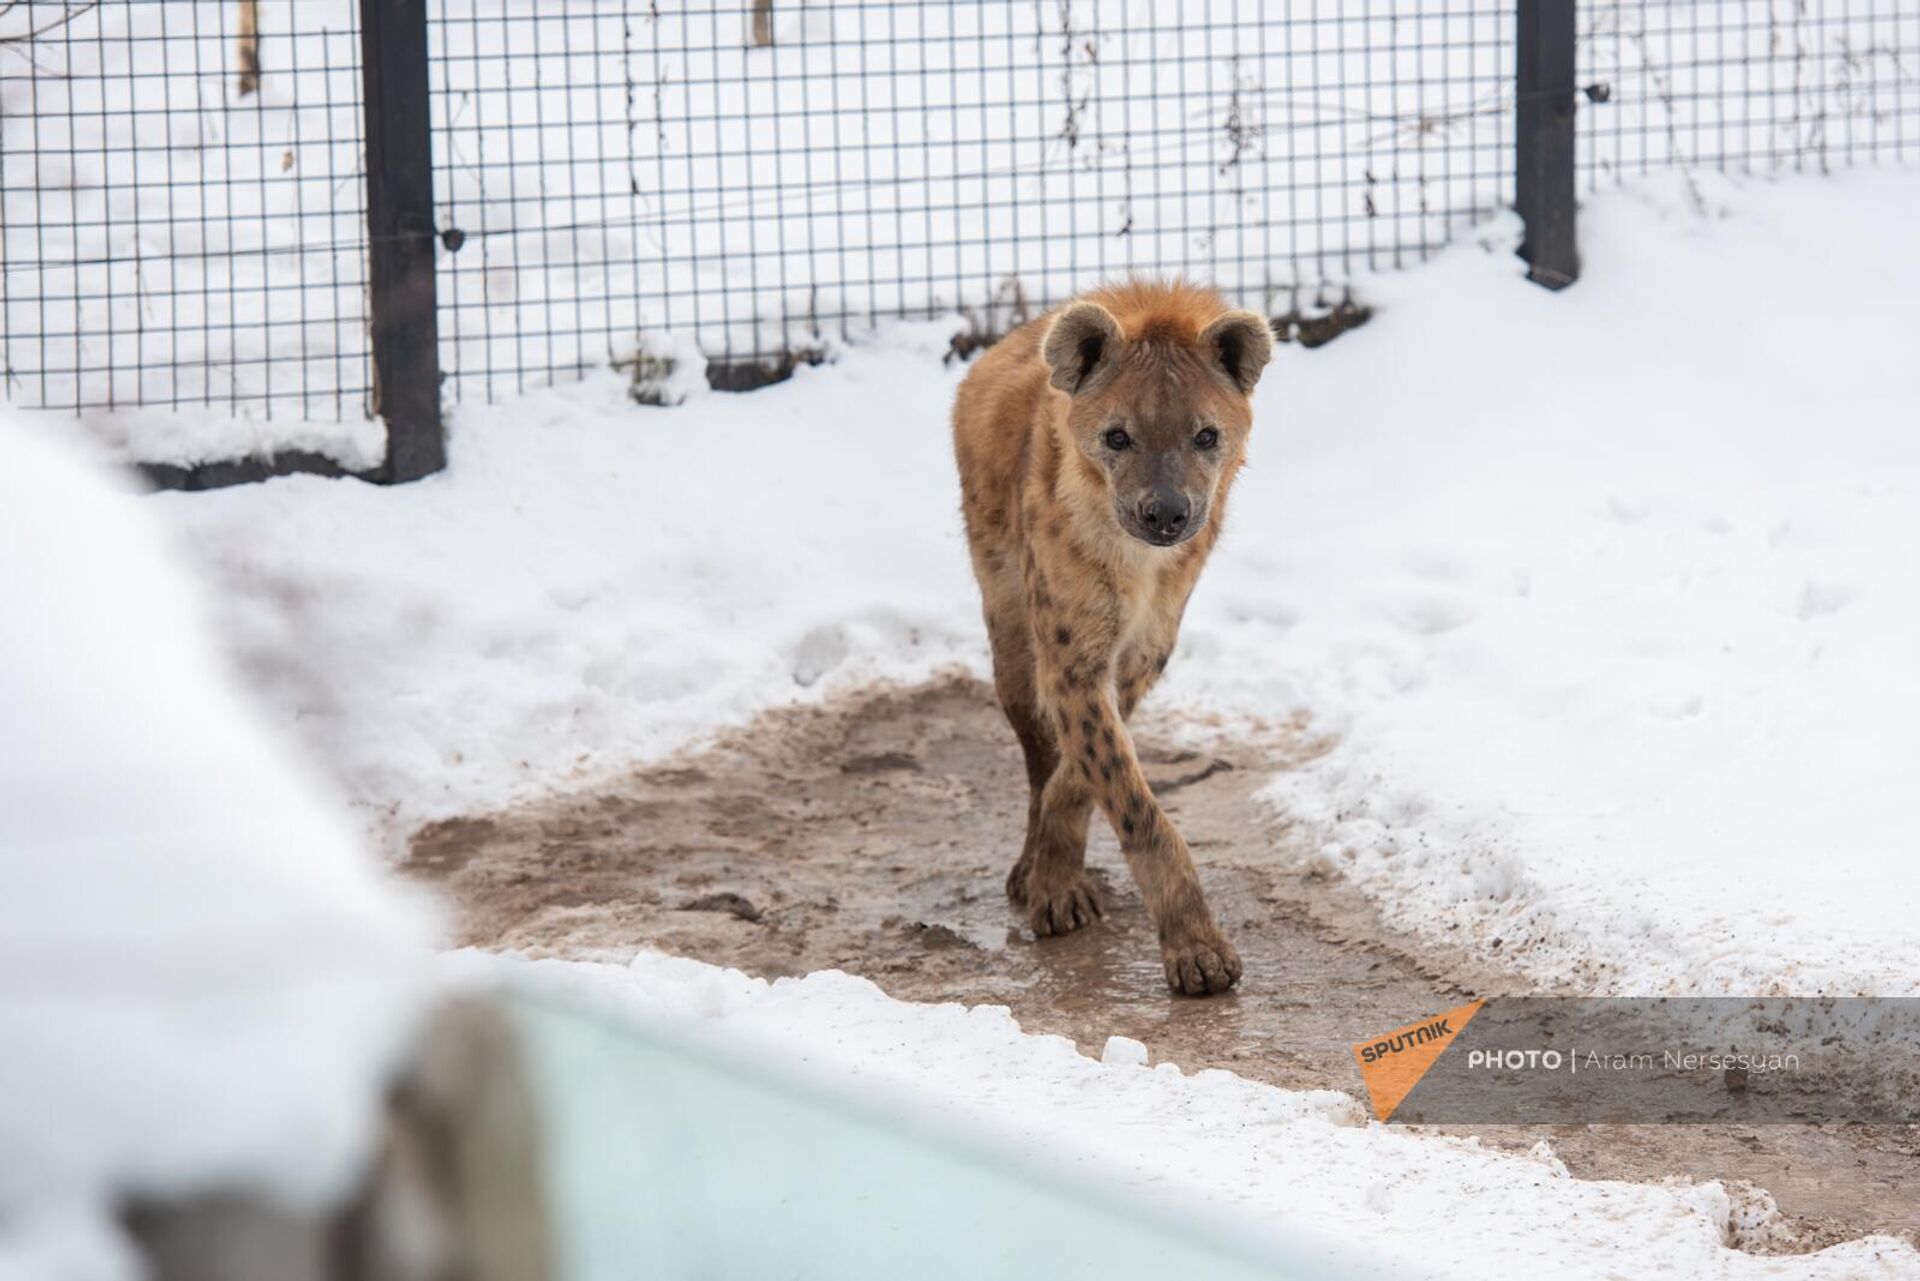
(874, 836)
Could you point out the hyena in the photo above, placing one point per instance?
(1096, 447)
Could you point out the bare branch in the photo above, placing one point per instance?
(67, 15)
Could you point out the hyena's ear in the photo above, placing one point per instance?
(1241, 344)
(1082, 347)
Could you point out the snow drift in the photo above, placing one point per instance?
(206, 980)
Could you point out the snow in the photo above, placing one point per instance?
(189, 438)
(1608, 596)
(1295, 1171)
(207, 979)
(593, 582)
(1598, 598)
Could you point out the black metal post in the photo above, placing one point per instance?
(1543, 134)
(406, 331)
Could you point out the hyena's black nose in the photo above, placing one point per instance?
(1164, 513)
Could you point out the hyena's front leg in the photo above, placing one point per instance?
(1060, 896)
(1055, 889)
(1095, 746)
(1050, 880)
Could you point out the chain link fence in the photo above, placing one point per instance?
(184, 183)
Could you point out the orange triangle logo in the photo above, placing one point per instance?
(1392, 1063)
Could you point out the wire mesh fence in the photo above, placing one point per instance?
(174, 231)
(747, 182)
(767, 180)
(1748, 87)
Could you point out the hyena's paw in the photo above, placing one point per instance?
(1017, 881)
(1061, 905)
(1201, 963)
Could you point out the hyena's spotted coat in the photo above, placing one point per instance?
(1096, 447)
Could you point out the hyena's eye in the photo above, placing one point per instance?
(1117, 438)
(1206, 438)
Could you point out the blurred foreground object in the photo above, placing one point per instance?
(454, 1194)
(678, 1154)
(208, 988)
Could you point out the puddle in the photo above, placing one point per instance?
(875, 837)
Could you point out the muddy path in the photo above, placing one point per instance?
(875, 837)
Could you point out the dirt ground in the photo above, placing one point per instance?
(875, 836)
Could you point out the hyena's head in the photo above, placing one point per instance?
(1162, 415)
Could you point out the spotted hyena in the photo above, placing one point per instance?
(1096, 448)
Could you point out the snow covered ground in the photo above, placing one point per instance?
(1610, 597)
(1603, 595)
(1304, 1173)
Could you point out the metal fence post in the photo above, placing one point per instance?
(405, 322)
(1543, 136)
